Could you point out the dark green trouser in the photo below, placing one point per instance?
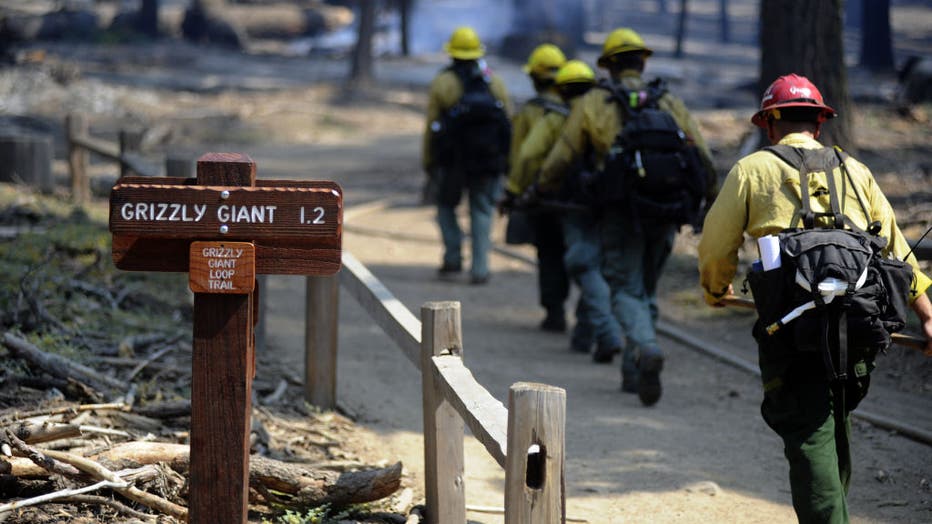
(820, 463)
(799, 406)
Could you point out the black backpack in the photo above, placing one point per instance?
(849, 325)
(651, 167)
(473, 136)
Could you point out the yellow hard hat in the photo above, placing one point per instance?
(622, 40)
(544, 61)
(575, 72)
(464, 44)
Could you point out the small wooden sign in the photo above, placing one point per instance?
(224, 226)
(295, 225)
(222, 267)
(176, 211)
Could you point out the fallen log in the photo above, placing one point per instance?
(163, 410)
(313, 487)
(302, 484)
(59, 366)
(33, 433)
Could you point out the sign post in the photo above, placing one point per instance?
(224, 227)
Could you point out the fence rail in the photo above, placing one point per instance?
(526, 438)
(80, 143)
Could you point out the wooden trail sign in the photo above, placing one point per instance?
(224, 227)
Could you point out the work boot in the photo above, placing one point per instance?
(649, 366)
(479, 280)
(554, 322)
(448, 271)
(629, 372)
(604, 354)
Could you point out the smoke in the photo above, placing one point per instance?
(432, 21)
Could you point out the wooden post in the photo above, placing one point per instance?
(223, 366)
(320, 339)
(534, 465)
(76, 125)
(180, 165)
(262, 288)
(130, 141)
(441, 332)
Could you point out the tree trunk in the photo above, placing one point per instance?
(148, 20)
(806, 38)
(681, 28)
(361, 71)
(204, 22)
(724, 22)
(405, 8)
(876, 41)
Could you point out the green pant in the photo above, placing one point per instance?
(799, 406)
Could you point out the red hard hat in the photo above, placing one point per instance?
(791, 91)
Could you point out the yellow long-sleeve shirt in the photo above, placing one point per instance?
(761, 196)
(596, 120)
(525, 119)
(445, 91)
(532, 151)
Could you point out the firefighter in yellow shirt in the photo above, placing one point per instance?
(578, 227)
(541, 67)
(466, 144)
(634, 249)
(762, 195)
(552, 281)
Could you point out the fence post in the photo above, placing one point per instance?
(534, 481)
(322, 302)
(76, 125)
(441, 332)
(130, 141)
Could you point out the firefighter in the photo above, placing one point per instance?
(633, 257)
(761, 196)
(465, 147)
(552, 280)
(579, 231)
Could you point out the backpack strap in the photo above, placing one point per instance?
(550, 106)
(656, 88)
(842, 156)
(804, 160)
(470, 77)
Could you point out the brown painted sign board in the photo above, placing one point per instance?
(222, 267)
(287, 240)
(164, 211)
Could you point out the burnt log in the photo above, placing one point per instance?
(303, 485)
(63, 24)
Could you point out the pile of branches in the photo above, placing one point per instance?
(96, 369)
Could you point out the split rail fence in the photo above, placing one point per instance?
(80, 144)
(526, 439)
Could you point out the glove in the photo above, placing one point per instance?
(507, 203)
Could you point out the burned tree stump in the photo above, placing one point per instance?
(27, 158)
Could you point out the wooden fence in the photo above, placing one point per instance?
(80, 144)
(526, 439)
